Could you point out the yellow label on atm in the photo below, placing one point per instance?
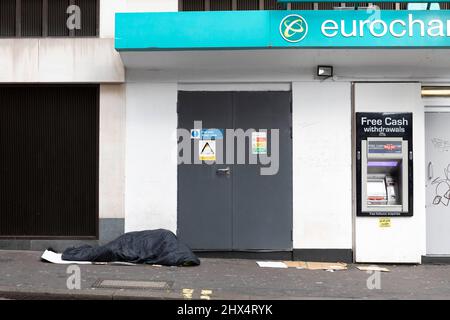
(385, 222)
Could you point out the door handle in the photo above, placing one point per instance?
(430, 170)
(223, 172)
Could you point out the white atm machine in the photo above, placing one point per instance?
(386, 222)
(384, 175)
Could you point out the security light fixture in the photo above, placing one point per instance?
(324, 71)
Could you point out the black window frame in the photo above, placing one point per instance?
(8, 27)
(45, 20)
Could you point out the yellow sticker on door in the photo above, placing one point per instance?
(207, 150)
(385, 222)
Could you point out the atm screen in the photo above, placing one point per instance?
(382, 163)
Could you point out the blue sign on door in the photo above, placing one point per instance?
(207, 134)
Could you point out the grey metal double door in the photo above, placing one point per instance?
(223, 205)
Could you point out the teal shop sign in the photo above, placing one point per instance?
(282, 29)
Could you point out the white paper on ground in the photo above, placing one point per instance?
(271, 264)
(119, 263)
(54, 257)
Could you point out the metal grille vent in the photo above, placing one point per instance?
(248, 5)
(57, 18)
(88, 18)
(7, 18)
(328, 5)
(302, 6)
(49, 160)
(132, 284)
(192, 5)
(221, 5)
(31, 18)
(272, 5)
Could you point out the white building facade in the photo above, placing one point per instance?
(139, 88)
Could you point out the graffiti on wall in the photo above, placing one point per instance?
(442, 188)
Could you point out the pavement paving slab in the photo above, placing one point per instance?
(24, 276)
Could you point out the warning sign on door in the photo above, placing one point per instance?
(207, 150)
(259, 142)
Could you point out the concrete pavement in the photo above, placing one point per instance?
(24, 276)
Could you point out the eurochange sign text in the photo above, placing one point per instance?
(282, 29)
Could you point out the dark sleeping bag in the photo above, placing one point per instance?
(150, 247)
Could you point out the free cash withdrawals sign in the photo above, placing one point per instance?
(386, 125)
(282, 29)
